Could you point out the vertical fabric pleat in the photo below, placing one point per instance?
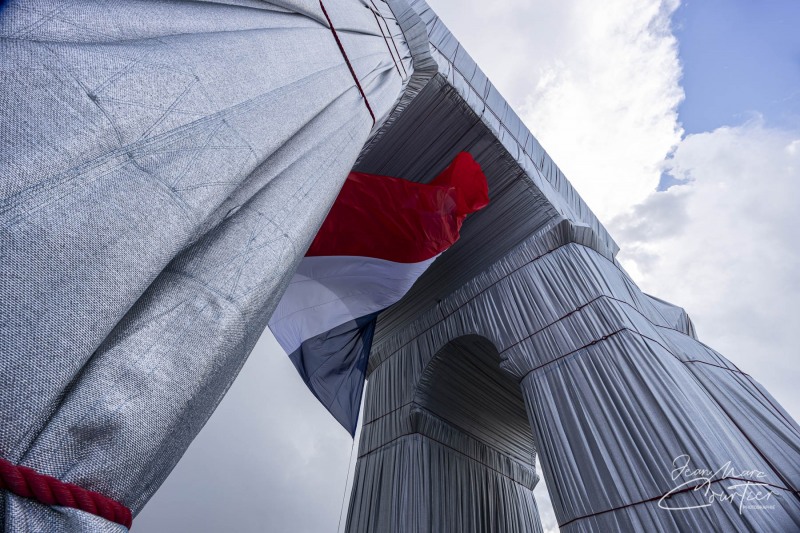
(613, 389)
(165, 166)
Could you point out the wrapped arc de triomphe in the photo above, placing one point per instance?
(528, 337)
(172, 191)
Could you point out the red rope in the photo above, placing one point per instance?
(347, 60)
(376, 13)
(28, 483)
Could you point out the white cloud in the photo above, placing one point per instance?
(605, 106)
(596, 82)
(726, 247)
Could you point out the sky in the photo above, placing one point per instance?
(678, 123)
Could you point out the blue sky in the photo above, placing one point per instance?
(741, 61)
(740, 57)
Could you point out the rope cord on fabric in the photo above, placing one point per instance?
(28, 483)
(735, 369)
(666, 496)
(386, 39)
(387, 43)
(346, 479)
(347, 61)
(448, 315)
(445, 445)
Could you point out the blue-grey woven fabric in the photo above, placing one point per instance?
(615, 387)
(615, 383)
(163, 168)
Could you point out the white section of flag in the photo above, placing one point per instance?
(328, 291)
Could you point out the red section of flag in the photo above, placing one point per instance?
(398, 220)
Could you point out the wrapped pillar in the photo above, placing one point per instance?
(445, 445)
(628, 437)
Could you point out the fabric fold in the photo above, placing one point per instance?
(379, 237)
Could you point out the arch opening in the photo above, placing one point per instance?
(464, 387)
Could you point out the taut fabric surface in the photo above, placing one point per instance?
(164, 167)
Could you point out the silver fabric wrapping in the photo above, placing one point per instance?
(760, 418)
(445, 446)
(615, 383)
(164, 167)
(611, 403)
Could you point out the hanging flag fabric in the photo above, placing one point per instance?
(381, 234)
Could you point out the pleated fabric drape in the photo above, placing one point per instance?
(164, 167)
(618, 391)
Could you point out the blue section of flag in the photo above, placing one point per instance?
(334, 367)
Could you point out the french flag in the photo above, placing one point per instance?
(381, 234)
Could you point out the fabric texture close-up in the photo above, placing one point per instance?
(165, 166)
(170, 173)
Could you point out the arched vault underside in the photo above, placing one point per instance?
(615, 383)
(463, 460)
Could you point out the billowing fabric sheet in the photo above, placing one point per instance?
(381, 234)
(164, 166)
